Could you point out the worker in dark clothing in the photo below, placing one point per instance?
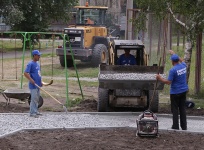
(178, 89)
(126, 58)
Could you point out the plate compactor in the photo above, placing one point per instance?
(147, 124)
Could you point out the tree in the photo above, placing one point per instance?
(35, 15)
(191, 10)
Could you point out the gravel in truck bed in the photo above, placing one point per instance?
(129, 76)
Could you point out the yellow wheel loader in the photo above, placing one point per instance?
(87, 38)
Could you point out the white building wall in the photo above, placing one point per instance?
(3, 26)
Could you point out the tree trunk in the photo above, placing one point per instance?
(187, 56)
(198, 63)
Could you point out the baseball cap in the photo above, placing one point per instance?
(36, 52)
(174, 57)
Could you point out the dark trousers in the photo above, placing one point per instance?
(178, 106)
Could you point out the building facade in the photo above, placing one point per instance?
(3, 26)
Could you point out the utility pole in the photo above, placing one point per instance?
(128, 31)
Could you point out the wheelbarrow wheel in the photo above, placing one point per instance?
(40, 101)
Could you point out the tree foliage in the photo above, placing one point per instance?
(35, 15)
(191, 10)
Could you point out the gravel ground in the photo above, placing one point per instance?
(13, 122)
(19, 121)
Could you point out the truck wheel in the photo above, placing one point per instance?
(40, 101)
(69, 62)
(103, 100)
(100, 55)
(154, 105)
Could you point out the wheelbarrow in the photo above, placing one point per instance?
(20, 94)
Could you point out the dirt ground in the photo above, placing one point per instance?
(97, 139)
(101, 139)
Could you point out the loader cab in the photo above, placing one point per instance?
(136, 48)
(91, 15)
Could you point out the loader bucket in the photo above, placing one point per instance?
(130, 77)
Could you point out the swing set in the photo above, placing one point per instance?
(2, 58)
(27, 38)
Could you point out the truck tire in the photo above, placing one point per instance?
(100, 55)
(154, 105)
(40, 101)
(69, 62)
(103, 100)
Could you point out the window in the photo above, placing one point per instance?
(91, 16)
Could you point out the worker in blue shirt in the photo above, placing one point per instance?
(126, 58)
(177, 80)
(32, 73)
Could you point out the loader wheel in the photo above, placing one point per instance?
(100, 55)
(103, 100)
(69, 62)
(40, 101)
(154, 105)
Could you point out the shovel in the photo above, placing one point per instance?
(64, 107)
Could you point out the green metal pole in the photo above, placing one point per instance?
(76, 69)
(31, 46)
(65, 60)
(23, 57)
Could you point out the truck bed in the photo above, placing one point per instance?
(130, 77)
